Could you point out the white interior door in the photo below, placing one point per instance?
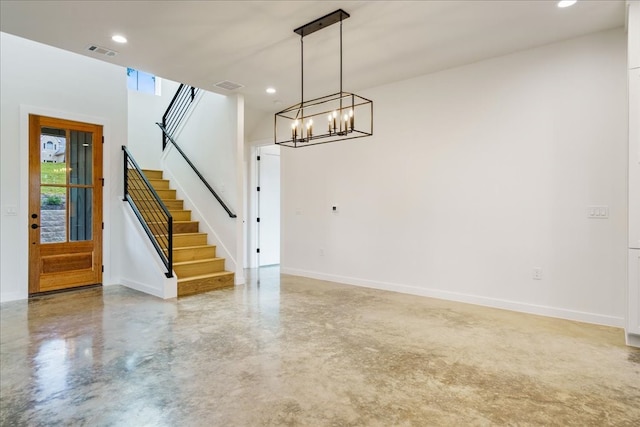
(269, 205)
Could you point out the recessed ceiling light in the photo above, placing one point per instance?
(271, 90)
(119, 39)
(566, 3)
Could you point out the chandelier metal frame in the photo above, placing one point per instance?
(294, 126)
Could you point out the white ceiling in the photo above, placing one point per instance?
(253, 43)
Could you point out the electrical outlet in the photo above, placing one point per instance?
(537, 273)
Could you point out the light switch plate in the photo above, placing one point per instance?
(598, 212)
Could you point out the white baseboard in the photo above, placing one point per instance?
(13, 296)
(633, 340)
(143, 287)
(239, 279)
(579, 316)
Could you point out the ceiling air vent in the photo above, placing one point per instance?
(227, 85)
(101, 50)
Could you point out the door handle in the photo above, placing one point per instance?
(34, 226)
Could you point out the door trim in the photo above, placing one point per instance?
(21, 259)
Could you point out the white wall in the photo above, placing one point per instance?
(633, 47)
(475, 176)
(212, 139)
(145, 137)
(35, 78)
(142, 268)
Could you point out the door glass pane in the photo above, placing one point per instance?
(80, 156)
(80, 215)
(53, 215)
(53, 166)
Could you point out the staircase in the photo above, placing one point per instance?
(195, 263)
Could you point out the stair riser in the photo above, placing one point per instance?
(204, 285)
(198, 269)
(192, 254)
(174, 205)
(148, 204)
(189, 240)
(176, 215)
(189, 227)
(157, 184)
(152, 174)
(170, 204)
(167, 194)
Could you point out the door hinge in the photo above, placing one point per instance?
(103, 225)
(258, 250)
(102, 179)
(103, 268)
(258, 189)
(103, 139)
(258, 158)
(258, 219)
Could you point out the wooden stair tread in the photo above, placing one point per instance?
(182, 234)
(179, 221)
(196, 261)
(195, 247)
(205, 276)
(169, 209)
(151, 198)
(138, 178)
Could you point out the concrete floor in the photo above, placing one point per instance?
(301, 352)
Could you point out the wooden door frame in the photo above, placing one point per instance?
(34, 189)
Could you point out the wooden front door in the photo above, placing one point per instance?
(65, 204)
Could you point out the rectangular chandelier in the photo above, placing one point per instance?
(336, 117)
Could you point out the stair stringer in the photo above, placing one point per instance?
(197, 215)
(142, 269)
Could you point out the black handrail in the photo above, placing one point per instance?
(168, 137)
(158, 223)
(177, 109)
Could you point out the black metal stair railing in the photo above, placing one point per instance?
(197, 172)
(155, 218)
(177, 109)
(171, 119)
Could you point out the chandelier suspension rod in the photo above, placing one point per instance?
(340, 64)
(301, 78)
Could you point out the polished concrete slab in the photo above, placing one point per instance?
(300, 352)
